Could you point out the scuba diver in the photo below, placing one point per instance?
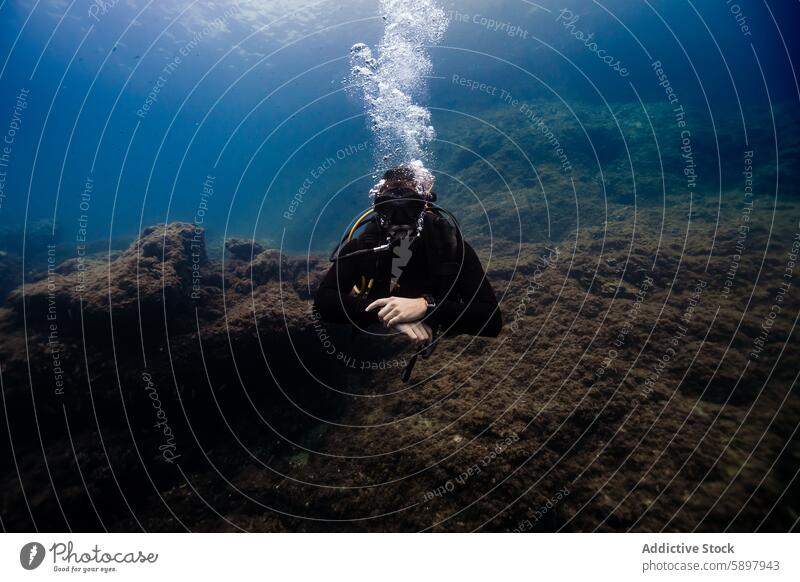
(409, 269)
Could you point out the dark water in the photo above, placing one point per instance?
(124, 111)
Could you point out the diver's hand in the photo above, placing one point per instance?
(395, 310)
(416, 331)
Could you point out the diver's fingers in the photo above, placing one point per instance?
(409, 331)
(425, 331)
(419, 332)
(378, 303)
(394, 316)
(414, 335)
(386, 309)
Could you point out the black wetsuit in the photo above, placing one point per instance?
(465, 301)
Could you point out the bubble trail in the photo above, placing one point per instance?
(390, 82)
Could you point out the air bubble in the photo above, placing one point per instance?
(391, 80)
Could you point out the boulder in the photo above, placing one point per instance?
(243, 249)
(162, 270)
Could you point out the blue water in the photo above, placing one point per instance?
(124, 111)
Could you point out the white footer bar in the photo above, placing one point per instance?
(382, 557)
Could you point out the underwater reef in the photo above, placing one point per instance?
(498, 430)
(644, 379)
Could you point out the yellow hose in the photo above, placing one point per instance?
(358, 222)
